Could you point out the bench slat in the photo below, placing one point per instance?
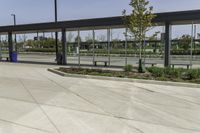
(176, 64)
(148, 63)
(181, 64)
(106, 63)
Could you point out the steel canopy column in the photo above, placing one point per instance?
(56, 33)
(109, 45)
(10, 45)
(64, 47)
(192, 43)
(93, 46)
(168, 31)
(79, 58)
(126, 46)
(56, 43)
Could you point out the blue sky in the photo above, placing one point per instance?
(36, 11)
(33, 11)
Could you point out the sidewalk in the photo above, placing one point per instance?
(33, 100)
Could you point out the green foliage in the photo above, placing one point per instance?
(185, 42)
(166, 72)
(178, 73)
(154, 36)
(156, 71)
(78, 39)
(128, 68)
(172, 73)
(162, 74)
(140, 20)
(195, 73)
(41, 50)
(186, 76)
(46, 43)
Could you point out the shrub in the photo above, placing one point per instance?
(40, 50)
(195, 73)
(156, 71)
(178, 73)
(173, 73)
(166, 72)
(128, 68)
(186, 76)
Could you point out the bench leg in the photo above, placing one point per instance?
(95, 63)
(188, 67)
(105, 64)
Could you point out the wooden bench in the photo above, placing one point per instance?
(101, 61)
(149, 63)
(179, 64)
(7, 58)
(152, 64)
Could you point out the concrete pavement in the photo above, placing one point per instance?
(33, 100)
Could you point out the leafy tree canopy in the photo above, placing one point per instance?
(185, 41)
(140, 20)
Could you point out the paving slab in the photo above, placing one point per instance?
(24, 114)
(8, 127)
(34, 100)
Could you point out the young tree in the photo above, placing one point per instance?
(78, 39)
(70, 37)
(89, 38)
(138, 23)
(185, 42)
(101, 38)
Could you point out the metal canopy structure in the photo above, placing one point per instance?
(166, 19)
(174, 18)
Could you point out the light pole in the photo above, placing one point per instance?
(56, 33)
(14, 18)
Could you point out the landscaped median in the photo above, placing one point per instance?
(131, 74)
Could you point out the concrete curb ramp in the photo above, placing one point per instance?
(125, 79)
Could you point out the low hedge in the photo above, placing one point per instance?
(178, 73)
(153, 73)
(185, 52)
(40, 50)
